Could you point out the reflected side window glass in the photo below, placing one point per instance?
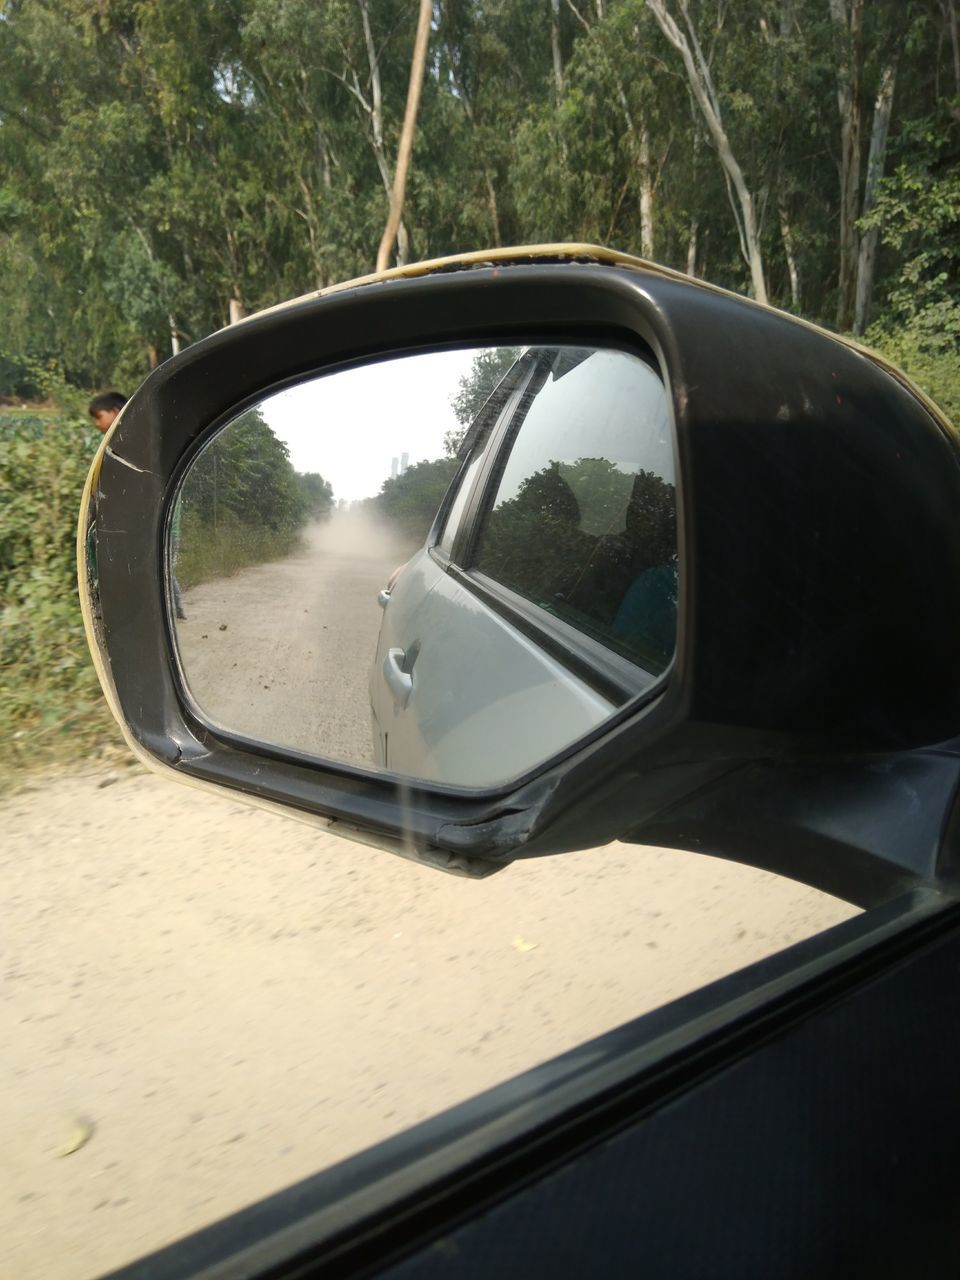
(455, 514)
(583, 519)
(480, 429)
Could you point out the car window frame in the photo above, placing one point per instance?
(500, 404)
(607, 672)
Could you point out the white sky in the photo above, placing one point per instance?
(348, 425)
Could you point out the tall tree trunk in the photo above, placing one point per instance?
(375, 110)
(487, 175)
(646, 195)
(847, 15)
(555, 46)
(640, 152)
(701, 86)
(692, 248)
(866, 262)
(492, 206)
(950, 13)
(789, 252)
(405, 149)
(326, 169)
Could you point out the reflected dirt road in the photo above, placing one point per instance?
(281, 652)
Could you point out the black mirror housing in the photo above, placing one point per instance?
(819, 552)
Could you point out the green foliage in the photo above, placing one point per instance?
(318, 494)
(244, 475)
(162, 159)
(50, 697)
(925, 346)
(918, 213)
(410, 502)
(205, 552)
(242, 503)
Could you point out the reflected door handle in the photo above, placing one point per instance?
(399, 681)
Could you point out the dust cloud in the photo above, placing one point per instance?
(358, 533)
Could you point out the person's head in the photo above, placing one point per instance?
(104, 408)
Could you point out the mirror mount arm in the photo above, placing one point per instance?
(864, 831)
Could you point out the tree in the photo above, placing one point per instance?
(244, 476)
(847, 16)
(869, 237)
(318, 494)
(700, 80)
(918, 209)
(410, 502)
(168, 162)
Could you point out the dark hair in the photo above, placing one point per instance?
(109, 400)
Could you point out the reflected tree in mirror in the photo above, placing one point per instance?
(617, 584)
(245, 503)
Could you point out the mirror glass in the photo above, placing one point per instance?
(449, 565)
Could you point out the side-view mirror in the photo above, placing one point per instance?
(535, 550)
(572, 528)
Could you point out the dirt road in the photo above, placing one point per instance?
(221, 1002)
(282, 652)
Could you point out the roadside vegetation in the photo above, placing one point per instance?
(245, 505)
(50, 701)
(242, 504)
(207, 552)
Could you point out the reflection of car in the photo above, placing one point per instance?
(800, 711)
(545, 597)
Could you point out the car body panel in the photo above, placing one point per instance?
(480, 700)
(451, 729)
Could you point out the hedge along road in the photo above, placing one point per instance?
(282, 652)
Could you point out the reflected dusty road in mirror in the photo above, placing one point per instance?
(281, 652)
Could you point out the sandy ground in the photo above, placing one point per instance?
(282, 652)
(221, 1002)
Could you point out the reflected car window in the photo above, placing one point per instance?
(583, 519)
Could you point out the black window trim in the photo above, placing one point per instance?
(499, 444)
(617, 678)
(499, 404)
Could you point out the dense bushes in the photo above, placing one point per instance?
(409, 502)
(49, 686)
